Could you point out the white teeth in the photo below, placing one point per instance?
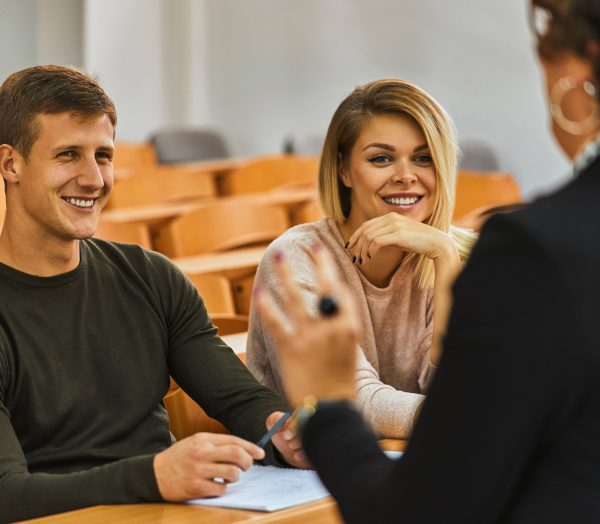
(401, 201)
(80, 203)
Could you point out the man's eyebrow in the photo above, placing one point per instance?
(380, 145)
(66, 147)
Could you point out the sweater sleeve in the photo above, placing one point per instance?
(389, 411)
(207, 369)
(490, 408)
(25, 495)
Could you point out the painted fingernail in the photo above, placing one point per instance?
(360, 261)
(369, 255)
(353, 260)
(346, 244)
(278, 256)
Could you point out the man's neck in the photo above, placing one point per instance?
(37, 256)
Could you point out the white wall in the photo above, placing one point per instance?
(17, 35)
(280, 67)
(36, 32)
(261, 70)
(124, 42)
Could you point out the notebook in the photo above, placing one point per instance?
(267, 488)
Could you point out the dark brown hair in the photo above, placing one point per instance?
(47, 89)
(575, 27)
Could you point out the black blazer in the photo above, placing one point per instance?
(510, 431)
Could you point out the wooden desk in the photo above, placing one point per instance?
(319, 512)
(233, 264)
(161, 213)
(237, 342)
(218, 167)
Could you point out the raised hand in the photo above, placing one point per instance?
(317, 354)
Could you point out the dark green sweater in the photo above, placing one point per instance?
(85, 359)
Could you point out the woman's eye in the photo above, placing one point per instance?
(423, 159)
(380, 159)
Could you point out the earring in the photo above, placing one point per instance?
(557, 95)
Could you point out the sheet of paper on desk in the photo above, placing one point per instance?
(267, 488)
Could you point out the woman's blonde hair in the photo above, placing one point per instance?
(394, 97)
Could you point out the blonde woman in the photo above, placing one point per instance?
(386, 182)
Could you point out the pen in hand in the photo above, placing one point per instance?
(276, 427)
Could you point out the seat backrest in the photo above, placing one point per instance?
(131, 232)
(242, 293)
(150, 187)
(309, 212)
(133, 155)
(215, 291)
(477, 189)
(219, 227)
(230, 324)
(188, 145)
(267, 173)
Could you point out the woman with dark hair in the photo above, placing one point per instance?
(510, 430)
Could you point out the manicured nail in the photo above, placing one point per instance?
(346, 244)
(360, 261)
(369, 255)
(353, 260)
(278, 256)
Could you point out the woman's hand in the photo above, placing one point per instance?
(397, 230)
(317, 354)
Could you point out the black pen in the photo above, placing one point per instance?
(269, 434)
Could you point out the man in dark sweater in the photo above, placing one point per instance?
(91, 330)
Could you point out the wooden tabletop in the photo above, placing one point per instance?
(160, 213)
(322, 511)
(233, 264)
(319, 512)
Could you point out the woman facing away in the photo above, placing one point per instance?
(386, 182)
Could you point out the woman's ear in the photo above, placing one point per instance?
(343, 173)
(9, 160)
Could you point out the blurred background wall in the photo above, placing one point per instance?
(264, 72)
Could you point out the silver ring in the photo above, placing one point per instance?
(328, 306)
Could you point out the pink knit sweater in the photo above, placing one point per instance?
(393, 364)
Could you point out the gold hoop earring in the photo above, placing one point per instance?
(557, 95)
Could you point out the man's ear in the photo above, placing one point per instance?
(10, 159)
(343, 174)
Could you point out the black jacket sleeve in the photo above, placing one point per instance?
(509, 382)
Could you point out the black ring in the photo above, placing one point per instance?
(328, 306)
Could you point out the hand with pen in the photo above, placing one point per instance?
(203, 464)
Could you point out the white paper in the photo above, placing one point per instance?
(267, 488)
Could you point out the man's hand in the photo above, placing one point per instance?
(188, 469)
(287, 442)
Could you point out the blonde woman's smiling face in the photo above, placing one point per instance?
(390, 169)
